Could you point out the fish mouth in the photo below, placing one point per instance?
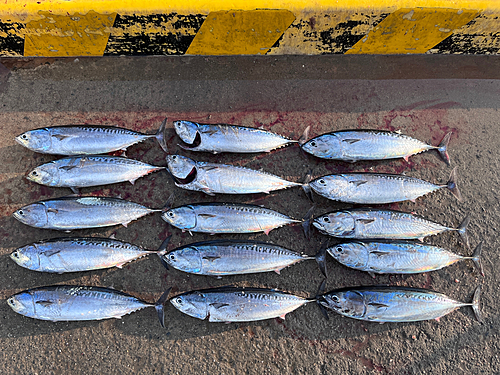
(188, 179)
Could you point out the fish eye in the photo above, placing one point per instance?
(322, 182)
(34, 173)
(178, 301)
(24, 136)
(338, 249)
(335, 298)
(172, 257)
(174, 157)
(170, 214)
(326, 219)
(20, 212)
(313, 144)
(11, 301)
(15, 254)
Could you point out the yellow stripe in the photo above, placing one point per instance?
(75, 35)
(412, 30)
(240, 32)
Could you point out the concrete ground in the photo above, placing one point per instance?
(422, 96)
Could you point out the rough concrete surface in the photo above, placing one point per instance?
(424, 97)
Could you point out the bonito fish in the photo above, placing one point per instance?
(377, 188)
(70, 303)
(397, 257)
(69, 213)
(394, 304)
(355, 145)
(85, 139)
(94, 170)
(382, 224)
(229, 304)
(229, 257)
(227, 138)
(62, 255)
(214, 178)
(225, 218)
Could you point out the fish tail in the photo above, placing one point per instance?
(303, 138)
(307, 188)
(170, 202)
(160, 306)
(161, 135)
(306, 222)
(162, 250)
(442, 148)
(462, 230)
(476, 258)
(475, 304)
(321, 290)
(321, 258)
(452, 185)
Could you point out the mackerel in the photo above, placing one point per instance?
(229, 257)
(85, 139)
(212, 178)
(377, 188)
(227, 138)
(230, 304)
(62, 255)
(382, 224)
(225, 218)
(394, 304)
(72, 303)
(69, 213)
(356, 145)
(397, 257)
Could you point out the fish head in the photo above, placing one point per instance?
(325, 146)
(348, 303)
(22, 303)
(183, 217)
(34, 215)
(192, 303)
(181, 168)
(46, 174)
(340, 223)
(187, 259)
(352, 254)
(27, 257)
(36, 140)
(186, 130)
(331, 186)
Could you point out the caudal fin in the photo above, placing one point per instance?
(442, 148)
(475, 304)
(306, 222)
(170, 202)
(160, 306)
(162, 250)
(303, 138)
(161, 135)
(462, 230)
(318, 298)
(452, 185)
(476, 258)
(321, 258)
(307, 188)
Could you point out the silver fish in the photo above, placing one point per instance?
(227, 138)
(397, 257)
(394, 304)
(62, 255)
(70, 303)
(225, 218)
(355, 145)
(93, 170)
(227, 257)
(382, 224)
(85, 139)
(237, 304)
(214, 178)
(377, 188)
(69, 213)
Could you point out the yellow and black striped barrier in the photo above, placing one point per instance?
(220, 27)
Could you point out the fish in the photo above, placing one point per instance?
(212, 178)
(75, 303)
(61, 255)
(227, 138)
(69, 213)
(382, 224)
(86, 139)
(234, 257)
(355, 145)
(229, 304)
(377, 188)
(394, 304)
(225, 218)
(91, 170)
(402, 257)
